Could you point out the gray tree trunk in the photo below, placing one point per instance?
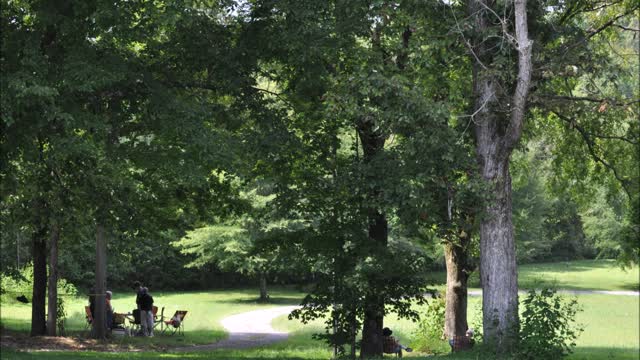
(99, 317)
(52, 305)
(498, 128)
(498, 264)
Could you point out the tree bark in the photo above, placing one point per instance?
(374, 303)
(372, 328)
(264, 296)
(52, 306)
(496, 136)
(352, 335)
(371, 346)
(99, 316)
(498, 264)
(455, 323)
(38, 323)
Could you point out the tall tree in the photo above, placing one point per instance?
(499, 118)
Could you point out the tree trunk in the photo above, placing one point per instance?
(264, 296)
(498, 128)
(52, 307)
(352, 334)
(372, 328)
(99, 317)
(455, 323)
(498, 265)
(38, 323)
(373, 321)
(372, 324)
(18, 250)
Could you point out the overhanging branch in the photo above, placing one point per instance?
(592, 151)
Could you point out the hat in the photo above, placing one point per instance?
(386, 332)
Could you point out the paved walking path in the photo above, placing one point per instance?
(249, 329)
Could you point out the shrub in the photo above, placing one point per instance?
(548, 329)
(428, 335)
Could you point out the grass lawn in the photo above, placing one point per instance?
(575, 275)
(202, 323)
(612, 327)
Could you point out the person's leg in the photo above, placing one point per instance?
(406, 348)
(150, 322)
(143, 322)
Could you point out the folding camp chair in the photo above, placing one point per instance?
(88, 317)
(158, 319)
(176, 322)
(136, 325)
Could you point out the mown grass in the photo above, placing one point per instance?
(202, 323)
(575, 275)
(612, 328)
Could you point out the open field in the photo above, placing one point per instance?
(202, 322)
(575, 275)
(612, 328)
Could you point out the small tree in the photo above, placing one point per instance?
(547, 329)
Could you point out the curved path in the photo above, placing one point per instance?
(249, 329)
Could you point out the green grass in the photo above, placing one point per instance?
(202, 323)
(575, 275)
(612, 328)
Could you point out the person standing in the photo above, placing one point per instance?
(137, 314)
(137, 286)
(146, 312)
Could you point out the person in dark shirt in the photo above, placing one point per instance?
(137, 286)
(146, 312)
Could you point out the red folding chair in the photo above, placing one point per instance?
(176, 322)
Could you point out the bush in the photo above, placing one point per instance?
(428, 336)
(548, 330)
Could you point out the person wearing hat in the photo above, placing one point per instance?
(390, 345)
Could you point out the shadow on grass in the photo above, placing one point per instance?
(7, 353)
(631, 286)
(580, 353)
(585, 353)
(161, 341)
(274, 300)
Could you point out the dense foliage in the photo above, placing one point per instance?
(218, 141)
(548, 330)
